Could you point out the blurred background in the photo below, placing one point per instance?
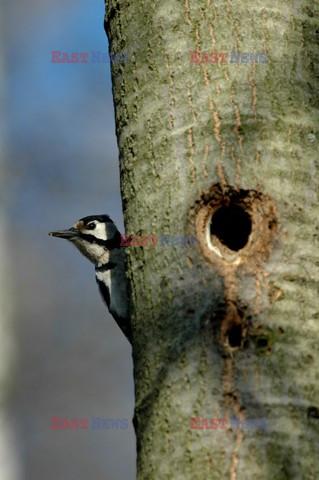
(62, 355)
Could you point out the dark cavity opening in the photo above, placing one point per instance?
(235, 335)
(313, 412)
(232, 226)
(262, 342)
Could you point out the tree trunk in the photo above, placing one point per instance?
(228, 328)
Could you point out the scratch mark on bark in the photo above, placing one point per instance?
(238, 168)
(170, 89)
(190, 101)
(190, 135)
(252, 81)
(212, 35)
(257, 158)
(236, 35)
(206, 77)
(221, 176)
(217, 121)
(192, 153)
(237, 116)
(198, 40)
(205, 161)
(215, 12)
(188, 18)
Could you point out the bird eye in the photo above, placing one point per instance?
(90, 226)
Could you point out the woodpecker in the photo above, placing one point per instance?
(99, 240)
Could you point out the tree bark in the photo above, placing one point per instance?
(228, 152)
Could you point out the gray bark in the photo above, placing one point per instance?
(220, 332)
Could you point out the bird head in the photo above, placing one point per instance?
(94, 236)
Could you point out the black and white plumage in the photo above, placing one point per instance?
(99, 240)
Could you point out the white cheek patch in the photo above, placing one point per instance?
(99, 231)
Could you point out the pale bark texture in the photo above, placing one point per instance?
(229, 327)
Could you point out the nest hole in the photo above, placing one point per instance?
(232, 226)
(235, 335)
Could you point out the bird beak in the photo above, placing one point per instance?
(68, 234)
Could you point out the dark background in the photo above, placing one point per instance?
(68, 357)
